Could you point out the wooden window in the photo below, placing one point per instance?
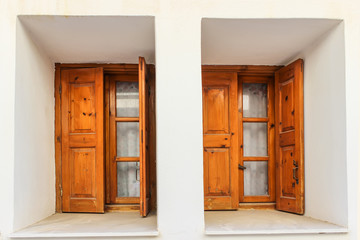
(267, 120)
(105, 137)
(124, 151)
(256, 121)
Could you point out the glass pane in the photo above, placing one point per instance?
(127, 99)
(127, 134)
(256, 178)
(255, 139)
(255, 100)
(128, 179)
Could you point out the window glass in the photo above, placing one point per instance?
(127, 142)
(256, 178)
(255, 139)
(128, 179)
(255, 100)
(127, 99)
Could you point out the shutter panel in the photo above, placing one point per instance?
(220, 140)
(289, 119)
(82, 145)
(144, 142)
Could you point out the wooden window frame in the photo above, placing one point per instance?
(270, 158)
(111, 119)
(108, 69)
(261, 74)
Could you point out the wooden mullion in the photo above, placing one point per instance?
(255, 70)
(256, 79)
(265, 198)
(126, 119)
(241, 142)
(255, 119)
(127, 159)
(127, 200)
(107, 67)
(265, 158)
(113, 144)
(107, 140)
(271, 139)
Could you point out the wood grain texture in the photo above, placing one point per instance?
(242, 69)
(220, 140)
(82, 158)
(117, 72)
(107, 139)
(152, 136)
(122, 208)
(58, 178)
(289, 108)
(144, 137)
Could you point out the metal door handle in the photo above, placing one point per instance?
(295, 168)
(241, 167)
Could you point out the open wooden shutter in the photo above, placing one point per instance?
(289, 119)
(82, 140)
(144, 142)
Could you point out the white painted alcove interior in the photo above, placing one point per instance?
(41, 41)
(320, 42)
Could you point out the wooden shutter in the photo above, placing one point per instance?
(289, 119)
(144, 143)
(82, 140)
(220, 140)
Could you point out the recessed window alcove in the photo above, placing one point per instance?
(233, 48)
(41, 42)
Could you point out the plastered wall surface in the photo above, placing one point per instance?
(34, 132)
(324, 98)
(179, 120)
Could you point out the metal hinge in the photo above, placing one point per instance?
(60, 89)
(61, 191)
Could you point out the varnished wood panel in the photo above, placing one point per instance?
(82, 140)
(242, 69)
(216, 109)
(122, 208)
(218, 203)
(82, 108)
(220, 140)
(286, 102)
(217, 171)
(144, 136)
(286, 171)
(117, 72)
(152, 137)
(82, 172)
(289, 104)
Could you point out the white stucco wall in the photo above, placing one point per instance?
(325, 130)
(179, 120)
(34, 132)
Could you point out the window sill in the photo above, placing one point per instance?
(72, 225)
(263, 222)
